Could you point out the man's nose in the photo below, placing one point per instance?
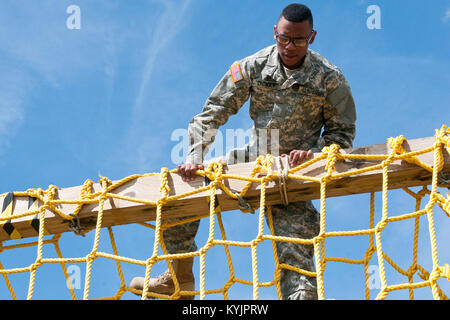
(291, 46)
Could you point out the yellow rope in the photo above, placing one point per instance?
(261, 174)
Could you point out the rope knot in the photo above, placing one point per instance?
(435, 274)
(104, 181)
(381, 225)
(214, 172)
(396, 144)
(412, 270)
(86, 189)
(369, 253)
(263, 164)
(325, 179)
(442, 136)
(152, 260)
(256, 241)
(49, 195)
(318, 238)
(164, 188)
(36, 265)
(50, 192)
(332, 152)
(91, 256)
(35, 193)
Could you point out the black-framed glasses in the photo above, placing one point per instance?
(298, 42)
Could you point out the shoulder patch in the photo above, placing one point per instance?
(236, 72)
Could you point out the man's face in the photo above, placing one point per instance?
(292, 55)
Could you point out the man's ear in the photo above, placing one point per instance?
(275, 33)
(313, 37)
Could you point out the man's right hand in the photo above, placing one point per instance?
(187, 171)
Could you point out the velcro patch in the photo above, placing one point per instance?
(236, 72)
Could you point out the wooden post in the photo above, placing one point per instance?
(120, 212)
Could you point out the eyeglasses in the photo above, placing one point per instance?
(298, 42)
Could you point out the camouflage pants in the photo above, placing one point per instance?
(299, 219)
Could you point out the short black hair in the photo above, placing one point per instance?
(297, 12)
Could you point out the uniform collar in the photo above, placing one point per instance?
(274, 70)
(302, 75)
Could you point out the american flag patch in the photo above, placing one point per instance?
(236, 73)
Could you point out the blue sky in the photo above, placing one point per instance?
(106, 98)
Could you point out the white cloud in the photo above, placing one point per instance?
(446, 17)
(169, 23)
(13, 95)
(166, 29)
(11, 115)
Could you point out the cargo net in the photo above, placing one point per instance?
(416, 276)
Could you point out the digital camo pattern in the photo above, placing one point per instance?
(181, 238)
(296, 108)
(316, 96)
(297, 220)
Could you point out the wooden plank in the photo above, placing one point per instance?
(120, 212)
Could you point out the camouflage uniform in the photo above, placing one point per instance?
(315, 96)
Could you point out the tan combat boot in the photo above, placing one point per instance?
(163, 284)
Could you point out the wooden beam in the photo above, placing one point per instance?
(120, 212)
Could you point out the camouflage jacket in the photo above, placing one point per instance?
(315, 97)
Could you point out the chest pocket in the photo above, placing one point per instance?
(297, 108)
(263, 98)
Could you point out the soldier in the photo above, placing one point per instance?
(296, 92)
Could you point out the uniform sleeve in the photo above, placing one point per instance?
(339, 114)
(226, 99)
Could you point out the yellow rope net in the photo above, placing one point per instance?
(215, 174)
